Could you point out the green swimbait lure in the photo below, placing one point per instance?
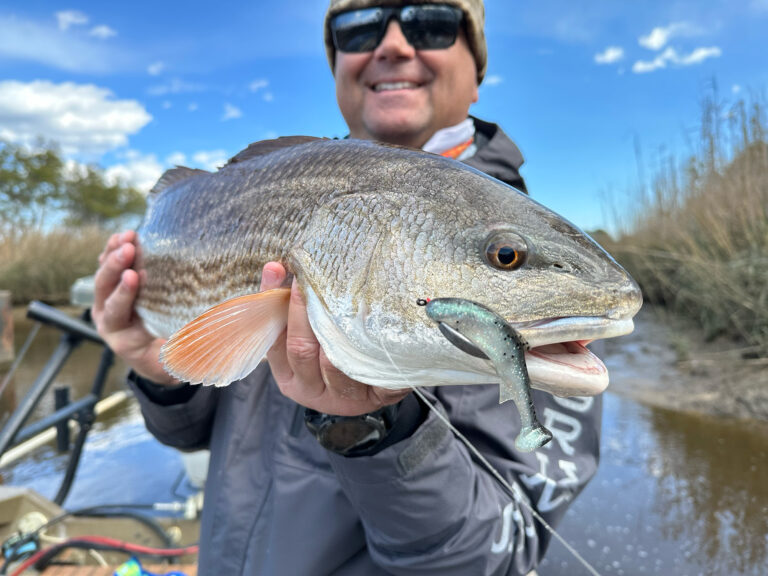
(479, 331)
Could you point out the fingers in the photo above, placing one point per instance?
(339, 384)
(385, 397)
(315, 380)
(116, 240)
(303, 372)
(272, 276)
(116, 258)
(294, 358)
(117, 312)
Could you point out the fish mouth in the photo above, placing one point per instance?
(557, 357)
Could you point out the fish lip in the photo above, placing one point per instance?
(572, 329)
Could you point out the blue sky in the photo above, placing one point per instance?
(140, 86)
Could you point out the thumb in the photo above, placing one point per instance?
(272, 276)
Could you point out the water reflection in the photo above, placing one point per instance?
(713, 488)
(674, 494)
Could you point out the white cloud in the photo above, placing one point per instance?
(493, 80)
(81, 118)
(44, 43)
(140, 170)
(257, 85)
(699, 55)
(661, 35)
(167, 104)
(74, 169)
(192, 106)
(67, 18)
(175, 86)
(610, 55)
(210, 160)
(759, 5)
(231, 112)
(735, 89)
(670, 56)
(642, 67)
(176, 159)
(143, 170)
(103, 31)
(155, 68)
(262, 84)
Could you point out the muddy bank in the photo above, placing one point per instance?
(666, 363)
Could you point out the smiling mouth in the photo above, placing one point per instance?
(389, 86)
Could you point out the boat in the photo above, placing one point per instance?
(44, 536)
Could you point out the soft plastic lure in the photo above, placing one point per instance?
(479, 331)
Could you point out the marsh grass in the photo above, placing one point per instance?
(42, 265)
(697, 240)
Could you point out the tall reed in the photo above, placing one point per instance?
(42, 265)
(698, 238)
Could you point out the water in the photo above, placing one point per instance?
(122, 463)
(77, 373)
(675, 493)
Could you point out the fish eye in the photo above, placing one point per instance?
(506, 251)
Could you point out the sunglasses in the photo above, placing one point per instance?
(425, 26)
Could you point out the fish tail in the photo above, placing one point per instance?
(532, 437)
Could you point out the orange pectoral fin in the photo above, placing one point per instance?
(227, 342)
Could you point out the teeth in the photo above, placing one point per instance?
(393, 86)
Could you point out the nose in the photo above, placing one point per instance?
(394, 45)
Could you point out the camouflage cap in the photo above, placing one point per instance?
(474, 15)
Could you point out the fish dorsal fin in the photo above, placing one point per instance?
(174, 176)
(227, 342)
(267, 146)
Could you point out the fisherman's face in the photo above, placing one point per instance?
(400, 95)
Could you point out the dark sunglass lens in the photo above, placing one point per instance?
(430, 27)
(358, 30)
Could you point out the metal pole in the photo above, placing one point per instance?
(85, 419)
(61, 400)
(66, 345)
(6, 328)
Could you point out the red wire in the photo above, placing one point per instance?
(29, 561)
(119, 544)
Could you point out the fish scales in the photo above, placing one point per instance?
(201, 243)
(368, 230)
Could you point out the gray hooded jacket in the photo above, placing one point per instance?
(277, 503)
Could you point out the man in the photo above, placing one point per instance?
(314, 473)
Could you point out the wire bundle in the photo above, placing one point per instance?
(26, 547)
(42, 558)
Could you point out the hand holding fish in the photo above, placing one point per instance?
(302, 370)
(115, 290)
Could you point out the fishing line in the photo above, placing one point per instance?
(513, 489)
